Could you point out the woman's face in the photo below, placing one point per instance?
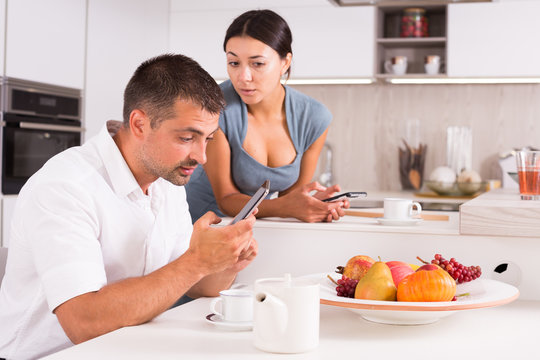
(254, 68)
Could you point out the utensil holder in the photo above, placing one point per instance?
(411, 166)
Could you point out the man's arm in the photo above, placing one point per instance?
(137, 300)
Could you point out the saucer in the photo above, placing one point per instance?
(217, 321)
(399, 222)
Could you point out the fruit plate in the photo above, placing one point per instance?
(482, 293)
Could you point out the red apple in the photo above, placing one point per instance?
(399, 270)
(428, 267)
(358, 266)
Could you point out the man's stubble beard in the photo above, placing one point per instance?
(173, 176)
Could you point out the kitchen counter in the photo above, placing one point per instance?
(504, 332)
(501, 212)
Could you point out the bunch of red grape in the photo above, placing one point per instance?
(346, 287)
(458, 271)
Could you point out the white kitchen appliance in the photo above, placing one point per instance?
(286, 315)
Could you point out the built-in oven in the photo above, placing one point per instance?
(38, 121)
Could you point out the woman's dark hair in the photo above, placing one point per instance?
(159, 82)
(265, 26)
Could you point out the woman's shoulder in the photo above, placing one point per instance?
(304, 102)
(230, 95)
(305, 105)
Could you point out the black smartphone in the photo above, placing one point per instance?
(255, 200)
(350, 194)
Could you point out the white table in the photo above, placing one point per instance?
(505, 332)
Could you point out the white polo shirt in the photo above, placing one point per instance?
(82, 222)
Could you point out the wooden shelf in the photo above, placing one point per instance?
(410, 76)
(412, 42)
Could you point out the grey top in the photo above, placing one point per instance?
(307, 119)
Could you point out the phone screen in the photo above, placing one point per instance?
(255, 200)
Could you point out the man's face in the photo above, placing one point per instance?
(175, 148)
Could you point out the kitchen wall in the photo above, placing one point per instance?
(369, 123)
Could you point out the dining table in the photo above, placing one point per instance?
(508, 330)
(503, 332)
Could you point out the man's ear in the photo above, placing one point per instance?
(138, 123)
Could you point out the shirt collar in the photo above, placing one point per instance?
(122, 180)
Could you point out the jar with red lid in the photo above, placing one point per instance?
(414, 23)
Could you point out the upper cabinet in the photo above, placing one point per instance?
(332, 42)
(494, 39)
(407, 37)
(328, 41)
(2, 35)
(121, 35)
(45, 41)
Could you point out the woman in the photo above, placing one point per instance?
(267, 131)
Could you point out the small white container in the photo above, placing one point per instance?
(286, 315)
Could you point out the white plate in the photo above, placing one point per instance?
(398, 222)
(217, 321)
(483, 293)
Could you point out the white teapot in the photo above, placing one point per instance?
(286, 315)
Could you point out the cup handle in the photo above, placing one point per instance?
(213, 305)
(388, 66)
(418, 210)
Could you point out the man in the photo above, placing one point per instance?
(101, 235)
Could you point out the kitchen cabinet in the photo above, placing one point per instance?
(390, 43)
(45, 41)
(328, 42)
(121, 35)
(2, 35)
(332, 42)
(494, 39)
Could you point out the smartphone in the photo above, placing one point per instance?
(255, 200)
(350, 194)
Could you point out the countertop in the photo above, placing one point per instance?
(501, 212)
(504, 332)
(354, 223)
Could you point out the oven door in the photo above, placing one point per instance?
(27, 145)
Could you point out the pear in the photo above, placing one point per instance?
(376, 284)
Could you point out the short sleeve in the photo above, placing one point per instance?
(320, 119)
(307, 119)
(63, 236)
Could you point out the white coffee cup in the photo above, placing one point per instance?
(397, 65)
(432, 64)
(236, 305)
(401, 209)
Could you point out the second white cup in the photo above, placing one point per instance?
(236, 305)
(395, 208)
(397, 65)
(432, 64)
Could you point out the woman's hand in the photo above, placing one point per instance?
(335, 214)
(300, 204)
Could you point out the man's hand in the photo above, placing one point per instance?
(219, 249)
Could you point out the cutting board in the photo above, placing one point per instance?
(380, 214)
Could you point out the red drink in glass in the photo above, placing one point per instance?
(528, 167)
(529, 182)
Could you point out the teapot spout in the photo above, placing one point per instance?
(271, 316)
